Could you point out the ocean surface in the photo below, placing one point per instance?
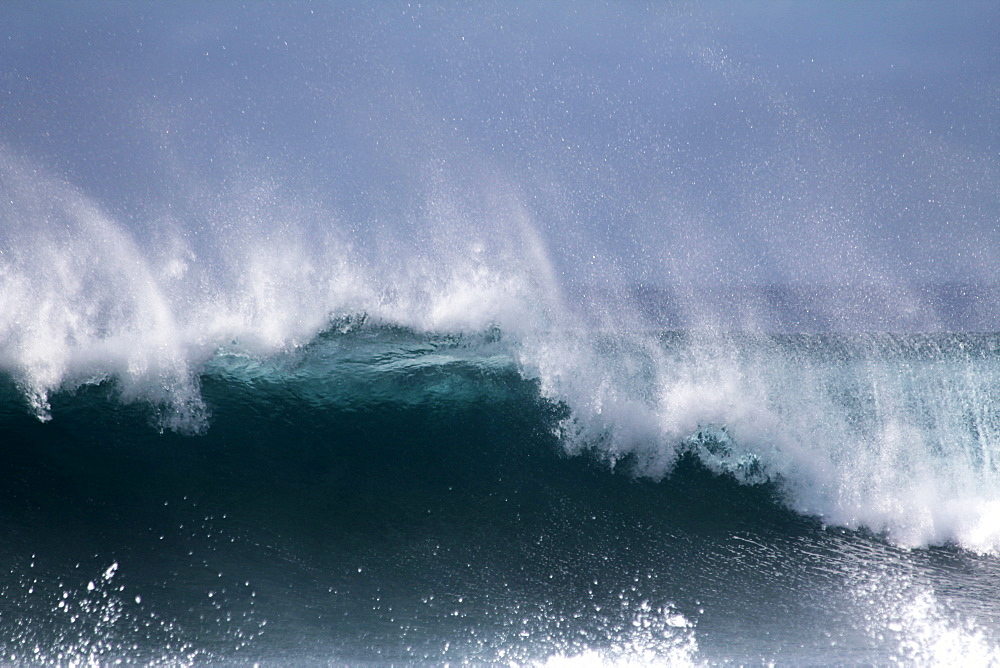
(380, 495)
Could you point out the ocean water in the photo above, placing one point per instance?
(379, 494)
(426, 334)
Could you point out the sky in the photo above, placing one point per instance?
(655, 143)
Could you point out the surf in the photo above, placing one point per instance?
(518, 335)
(891, 432)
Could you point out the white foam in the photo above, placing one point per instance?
(85, 297)
(899, 442)
(919, 628)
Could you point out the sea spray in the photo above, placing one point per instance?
(86, 301)
(891, 433)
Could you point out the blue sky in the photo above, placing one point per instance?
(729, 142)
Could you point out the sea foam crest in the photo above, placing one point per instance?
(79, 301)
(894, 434)
(85, 297)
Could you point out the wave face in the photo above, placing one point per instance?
(382, 494)
(894, 433)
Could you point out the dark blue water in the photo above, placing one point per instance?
(381, 496)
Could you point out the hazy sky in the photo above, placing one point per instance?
(729, 142)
